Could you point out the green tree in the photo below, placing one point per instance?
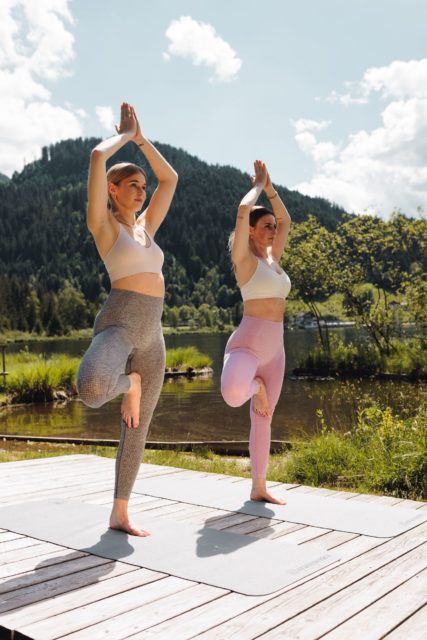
(72, 307)
(311, 262)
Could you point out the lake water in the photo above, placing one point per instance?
(194, 409)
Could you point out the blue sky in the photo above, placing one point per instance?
(331, 94)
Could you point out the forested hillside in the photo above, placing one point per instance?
(52, 280)
(48, 261)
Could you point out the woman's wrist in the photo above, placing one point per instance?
(271, 196)
(140, 141)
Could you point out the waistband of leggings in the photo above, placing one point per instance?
(134, 296)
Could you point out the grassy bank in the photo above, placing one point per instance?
(408, 358)
(381, 454)
(37, 378)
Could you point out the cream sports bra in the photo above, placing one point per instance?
(129, 256)
(266, 282)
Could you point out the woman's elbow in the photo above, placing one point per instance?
(96, 155)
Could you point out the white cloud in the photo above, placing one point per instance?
(199, 42)
(35, 46)
(385, 168)
(106, 117)
(303, 124)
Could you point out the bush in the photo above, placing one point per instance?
(187, 357)
(382, 452)
(34, 378)
(408, 357)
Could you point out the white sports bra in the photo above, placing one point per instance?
(266, 282)
(131, 255)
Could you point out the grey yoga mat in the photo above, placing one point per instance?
(244, 564)
(339, 515)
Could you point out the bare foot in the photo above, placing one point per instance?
(124, 524)
(260, 400)
(265, 496)
(260, 493)
(131, 400)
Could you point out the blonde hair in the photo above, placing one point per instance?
(119, 172)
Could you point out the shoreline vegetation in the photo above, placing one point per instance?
(381, 453)
(405, 360)
(36, 378)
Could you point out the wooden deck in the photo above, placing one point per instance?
(378, 589)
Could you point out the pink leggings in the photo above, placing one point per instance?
(255, 349)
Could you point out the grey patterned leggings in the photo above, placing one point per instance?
(127, 337)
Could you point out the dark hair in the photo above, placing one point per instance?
(258, 212)
(255, 214)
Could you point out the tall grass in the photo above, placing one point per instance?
(187, 357)
(381, 453)
(35, 378)
(408, 357)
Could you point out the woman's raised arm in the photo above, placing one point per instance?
(240, 252)
(283, 219)
(161, 199)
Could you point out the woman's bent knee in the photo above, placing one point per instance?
(91, 391)
(233, 395)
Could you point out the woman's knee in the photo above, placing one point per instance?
(233, 393)
(91, 389)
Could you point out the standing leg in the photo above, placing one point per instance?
(150, 365)
(260, 437)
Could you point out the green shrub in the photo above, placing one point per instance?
(186, 357)
(34, 378)
(382, 452)
(408, 357)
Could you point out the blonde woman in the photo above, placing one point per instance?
(127, 353)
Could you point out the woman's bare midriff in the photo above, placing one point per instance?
(265, 309)
(150, 284)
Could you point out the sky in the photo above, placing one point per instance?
(332, 95)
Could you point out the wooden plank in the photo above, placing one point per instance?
(93, 571)
(413, 628)
(118, 581)
(32, 564)
(204, 515)
(230, 519)
(18, 543)
(62, 466)
(333, 539)
(262, 618)
(413, 504)
(105, 609)
(324, 616)
(384, 614)
(32, 551)
(126, 625)
(9, 535)
(40, 462)
(303, 535)
(252, 525)
(201, 619)
(41, 574)
(278, 530)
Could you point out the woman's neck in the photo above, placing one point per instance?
(259, 252)
(126, 219)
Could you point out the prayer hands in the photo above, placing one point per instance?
(261, 174)
(128, 121)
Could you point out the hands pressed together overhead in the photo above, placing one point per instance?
(129, 123)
